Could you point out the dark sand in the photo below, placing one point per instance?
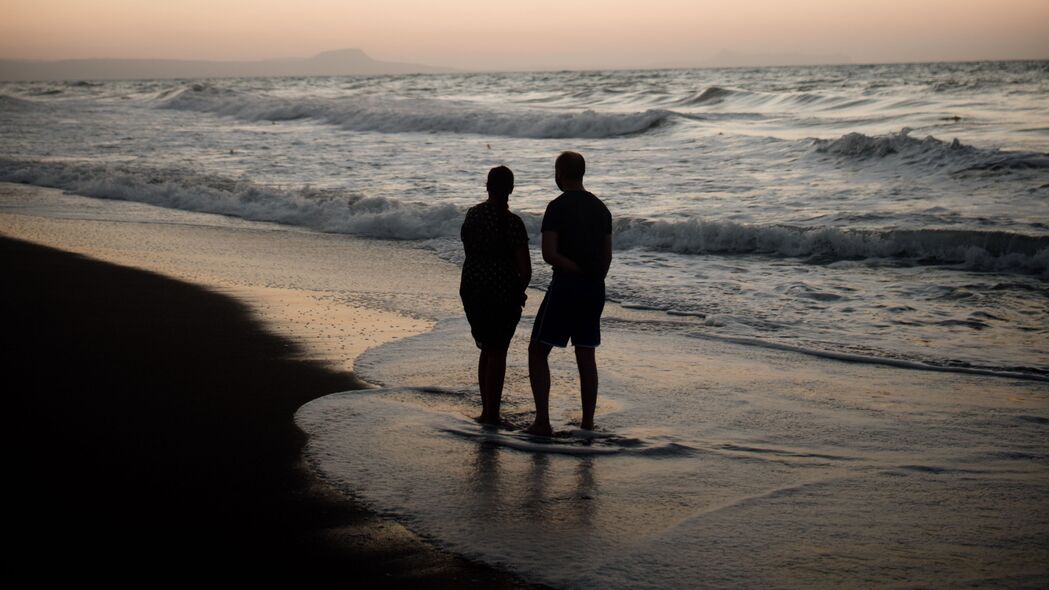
(154, 433)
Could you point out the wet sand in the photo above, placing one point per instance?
(765, 419)
(154, 428)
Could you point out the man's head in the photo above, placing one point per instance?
(569, 169)
(500, 183)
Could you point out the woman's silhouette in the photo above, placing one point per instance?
(496, 273)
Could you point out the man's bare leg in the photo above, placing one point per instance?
(587, 363)
(539, 377)
(482, 384)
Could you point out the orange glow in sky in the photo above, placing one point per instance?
(533, 34)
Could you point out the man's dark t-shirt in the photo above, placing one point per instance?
(581, 222)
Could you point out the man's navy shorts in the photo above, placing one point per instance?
(571, 310)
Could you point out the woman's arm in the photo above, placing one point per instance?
(523, 262)
(468, 234)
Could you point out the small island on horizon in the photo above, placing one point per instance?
(340, 62)
(346, 62)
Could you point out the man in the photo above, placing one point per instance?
(577, 243)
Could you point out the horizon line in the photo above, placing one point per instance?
(483, 70)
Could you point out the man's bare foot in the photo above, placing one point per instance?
(587, 425)
(485, 419)
(540, 429)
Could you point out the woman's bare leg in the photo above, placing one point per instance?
(494, 377)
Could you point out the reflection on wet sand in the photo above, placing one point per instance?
(534, 494)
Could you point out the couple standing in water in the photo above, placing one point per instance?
(577, 243)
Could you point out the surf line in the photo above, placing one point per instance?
(872, 360)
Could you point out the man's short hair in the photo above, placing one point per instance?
(571, 165)
(500, 181)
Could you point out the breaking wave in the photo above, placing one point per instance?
(778, 101)
(13, 103)
(954, 155)
(400, 115)
(328, 211)
(380, 217)
(710, 96)
(975, 250)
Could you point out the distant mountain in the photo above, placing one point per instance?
(342, 62)
(731, 59)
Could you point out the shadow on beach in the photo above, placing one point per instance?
(153, 421)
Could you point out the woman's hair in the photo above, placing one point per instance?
(500, 181)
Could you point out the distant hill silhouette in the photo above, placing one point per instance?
(341, 62)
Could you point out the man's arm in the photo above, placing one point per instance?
(553, 257)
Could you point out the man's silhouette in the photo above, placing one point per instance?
(577, 243)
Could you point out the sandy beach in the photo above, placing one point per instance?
(155, 422)
(167, 358)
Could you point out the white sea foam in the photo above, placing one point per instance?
(367, 216)
(383, 217)
(976, 250)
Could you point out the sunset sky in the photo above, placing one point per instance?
(535, 34)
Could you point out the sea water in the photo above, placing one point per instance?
(768, 224)
(890, 212)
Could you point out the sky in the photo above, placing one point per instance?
(534, 34)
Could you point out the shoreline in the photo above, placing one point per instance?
(156, 418)
(769, 422)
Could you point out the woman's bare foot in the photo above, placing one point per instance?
(485, 419)
(540, 429)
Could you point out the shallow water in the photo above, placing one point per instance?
(716, 465)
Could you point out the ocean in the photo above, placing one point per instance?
(897, 212)
(769, 223)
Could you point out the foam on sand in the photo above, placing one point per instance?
(717, 466)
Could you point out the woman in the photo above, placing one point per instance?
(496, 273)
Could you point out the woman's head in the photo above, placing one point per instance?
(500, 183)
